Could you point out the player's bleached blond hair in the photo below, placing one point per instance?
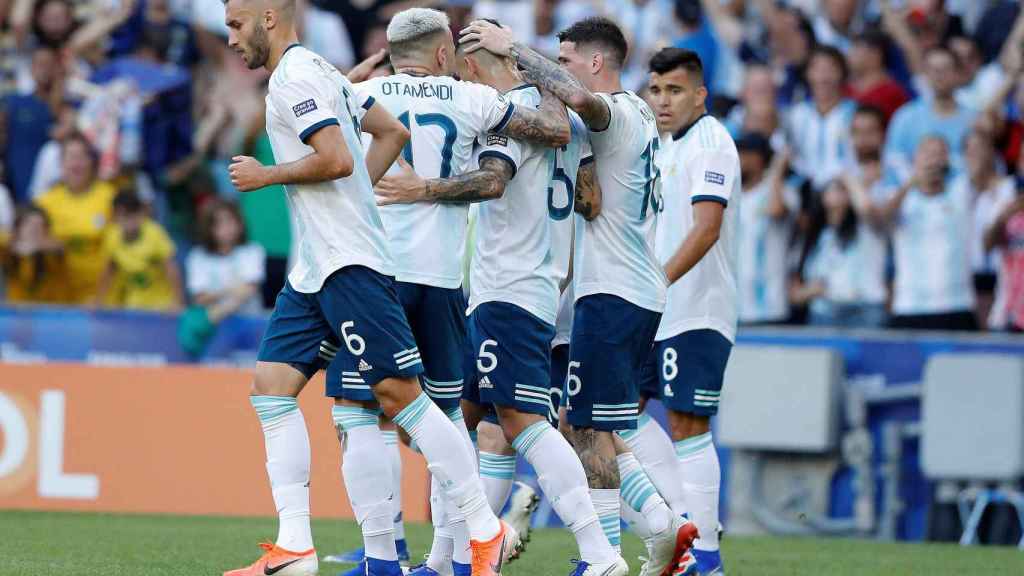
(414, 23)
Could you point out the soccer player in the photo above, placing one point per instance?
(619, 284)
(514, 301)
(340, 286)
(697, 245)
(444, 117)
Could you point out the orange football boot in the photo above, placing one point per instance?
(489, 557)
(280, 562)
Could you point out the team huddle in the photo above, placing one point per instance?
(601, 276)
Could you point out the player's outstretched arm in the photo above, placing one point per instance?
(330, 160)
(389, 136)
(588, 193)
(539, 70)
(486, 183)
(548, 125)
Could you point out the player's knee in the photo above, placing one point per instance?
(394, 394)
(272, 379)
(685, 425)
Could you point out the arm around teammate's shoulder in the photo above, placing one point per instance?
(540, 70)
(548, 125)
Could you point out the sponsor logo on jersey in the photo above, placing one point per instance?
(714, 178)
(497, 140)
(303, 108)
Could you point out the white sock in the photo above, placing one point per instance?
(636, 522)
(606, 504)
(653, 448)
(497, 472)
(456, 520)
(448, 459)
(440, 558)
(564, 482)
(287, 444)
(395, 452)
(701, 482)
(639, 494)
(367, 478)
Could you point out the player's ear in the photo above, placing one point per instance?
(269, 19)
(702, 95)
(596, 62)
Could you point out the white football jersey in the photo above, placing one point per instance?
(700, 164)
(762, 266)
(335, 223)
(445, 117)
(616, 255)
(518, 251)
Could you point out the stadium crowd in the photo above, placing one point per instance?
(880, 143)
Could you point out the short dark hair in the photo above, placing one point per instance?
(757, 143)
(833, 54)
(670, 58)
(600, 31)
(128, 201)
(875, 39)
(873, 111)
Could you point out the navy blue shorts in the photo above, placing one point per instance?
(559, 369)
(512, 358)
(686, 371)
(611, 339)
(355, 319)
(437, 317)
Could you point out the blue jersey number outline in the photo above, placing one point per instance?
(451, 133)
(559, 175)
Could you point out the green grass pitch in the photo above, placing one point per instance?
(73, 544)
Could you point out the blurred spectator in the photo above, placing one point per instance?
(698, 36)
(836, 23)
(29, 117)
(225, 271)
(79, 209)
(325, 33)
(819, 130)
(6, 214)
(867, 137)
(34, 266)
(870, 82)
(931, 221)
(978, 81)
(648, 29)
(989, 193)
(845, 272)
(140, 271)
(791, 38)
(765, 226)
(47, 170)
(939, 115)
(1007, 235)
(757, 111)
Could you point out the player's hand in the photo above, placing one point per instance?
(482, 34)
(247, 173)
(362, 71)
(406, 187)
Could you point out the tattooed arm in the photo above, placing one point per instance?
(539, 70)
(588, 192)
(486, 183)
(548, 125)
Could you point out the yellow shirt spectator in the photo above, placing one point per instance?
(34, 267)
(140, 268)
(80, 221)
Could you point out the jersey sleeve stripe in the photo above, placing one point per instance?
(308, 132)
(505, 119)
(709, 198)
(502, 156)
(587, 160)
(369, 103)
